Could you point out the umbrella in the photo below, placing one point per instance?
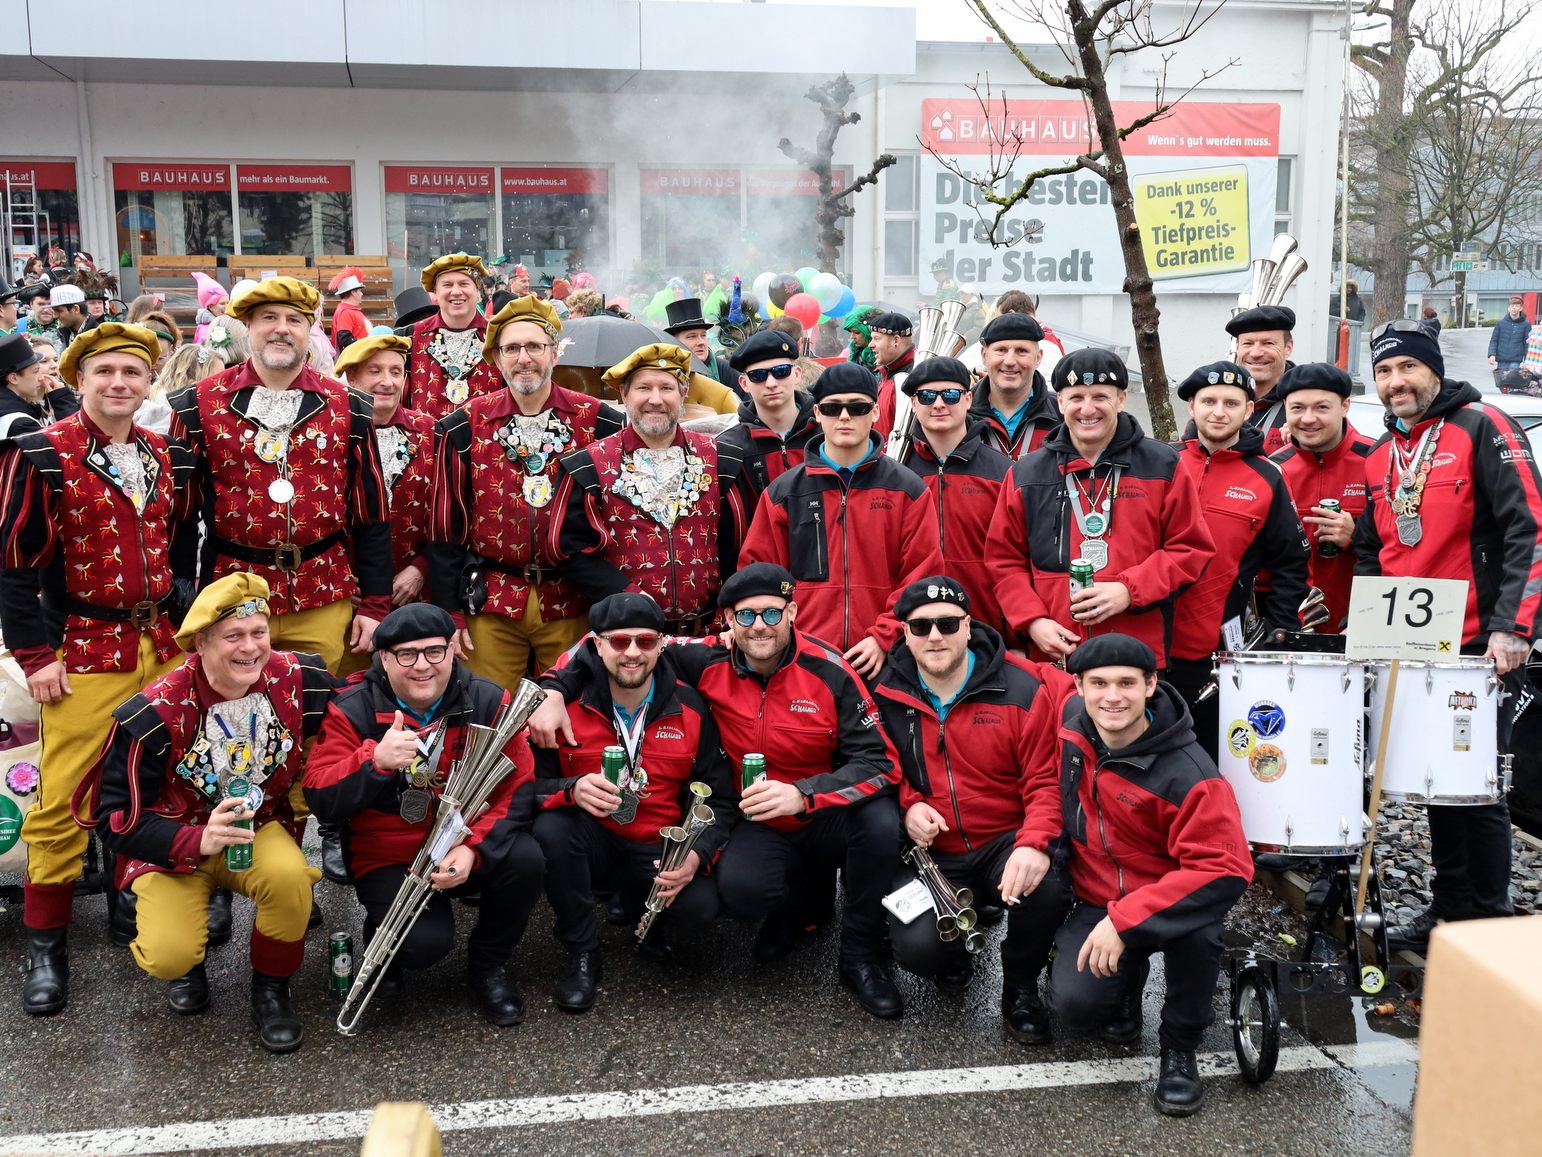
(588, 346)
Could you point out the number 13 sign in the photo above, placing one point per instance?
(1405, 618)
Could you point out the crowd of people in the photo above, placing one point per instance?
(987, 640)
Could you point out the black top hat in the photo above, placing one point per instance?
(8, 291)
(16, 354)
(412, 305)
(685, 314)
(37, 289)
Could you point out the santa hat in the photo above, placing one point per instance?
(347, 280)
(209, 290)
(521, 271)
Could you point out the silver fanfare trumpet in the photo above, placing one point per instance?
(956, 916)
(474, 778)
(1273, 275)
(678, 842)
(936, 336)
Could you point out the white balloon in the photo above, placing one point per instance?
(762, 286)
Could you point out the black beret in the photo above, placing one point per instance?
(1314, 376)
(1011, 327)
(937, 588)
(759, 578)
(890, 322)
(762, 346)
(414, 621)
(626, 610)
(845, 378)
(1217, 374)
(1090, 367)
(1114, 650)
(944, 371)
(1260, 318)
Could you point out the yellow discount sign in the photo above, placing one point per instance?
(1194, 221)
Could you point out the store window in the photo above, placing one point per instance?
(691, 222)
(164, 208)
(38, 198)
(901, 225)
(780, 206)
(295, 208)
(431, 210)
(556, 222)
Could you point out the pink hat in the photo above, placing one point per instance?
(583, 281)
(209, 290)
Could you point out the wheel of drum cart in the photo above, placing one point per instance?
(1255, 1011)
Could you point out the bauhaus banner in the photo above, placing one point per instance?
(1204, 179)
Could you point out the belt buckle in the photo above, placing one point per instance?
(534, 577)
(142, 615)
(286, 556)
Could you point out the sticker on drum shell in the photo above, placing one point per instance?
(1319, 745)
(1239, 738)
(1267, 718)
(1461, 733)
(1267, 762)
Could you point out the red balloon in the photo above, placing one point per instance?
(804, 307)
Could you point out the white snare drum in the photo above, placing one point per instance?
(1291, 747)
(1444, 744)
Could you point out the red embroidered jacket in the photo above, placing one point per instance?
(411, 495)
(339, 491)
(72, 536)
(427, 383)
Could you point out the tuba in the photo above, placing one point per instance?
(954, 906)
(1273, 275)
(936, 336)
(474, 778)
(678, 842)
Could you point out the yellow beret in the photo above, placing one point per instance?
(359, 352)
(239, 595)
(468, 263)
(529, 308)
(290, 291)
(659, 356)
(109, 337)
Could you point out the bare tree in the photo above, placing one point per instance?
(832, 204)
(1089, 39)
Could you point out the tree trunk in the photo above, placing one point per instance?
(1390, 246)
(1144, 313)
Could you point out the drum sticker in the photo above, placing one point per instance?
(22, 778)
(10, 824)
(1267, 763)
(1319, 745)
(1461, 733)
(1239, 738)
(1462, 701)
(1267, 718)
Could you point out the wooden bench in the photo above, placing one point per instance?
(172, 277)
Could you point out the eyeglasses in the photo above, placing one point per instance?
(768, 615)
(836, 409)
(408, 656)
(781, 373)
(951, 396)
(533, 349)
(620, 641)
(945, 624)
(1398, 325)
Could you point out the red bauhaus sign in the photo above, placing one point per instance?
(294, 178)
(438, 179)
(184, 177)
(1061, 128)
(791, 182)
(554, 181)
(52, 175)
(699, 182)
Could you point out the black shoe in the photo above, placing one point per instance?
(334, 865)
(1414, 936)
(316, 916)
(1276, 861)
(1178, 1090)
(499, 997)
(278, 1025)
(874, 986)
(123, 921)
(989, 915)
(189, 995)
(1317, 894)
(956, 972)
(655, 949)
(1027, 1018)
(575, 992)
(219, 917)
(46, 989)
(615, 911)
(1124, 1027)
(778, 938)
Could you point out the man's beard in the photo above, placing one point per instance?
(267, 351)
(655, 425)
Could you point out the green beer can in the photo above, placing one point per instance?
(752, 769)
(1328, 549)
(613, 763)
(1081, 575)
(238, 857)
(340, 975)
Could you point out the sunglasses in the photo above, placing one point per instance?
(836, 409)
(781, 373)
(945, 624)
(769, 615)
(620, 641)
(951, 396)
(1397, 325)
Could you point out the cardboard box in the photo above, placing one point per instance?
(1479, 1040)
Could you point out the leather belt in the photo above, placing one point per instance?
(286, 556)
(142, 615)
(531, 572)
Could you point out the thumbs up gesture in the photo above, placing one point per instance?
(397, 747)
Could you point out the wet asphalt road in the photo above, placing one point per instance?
(117, 1059)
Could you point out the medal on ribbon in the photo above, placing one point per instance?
(271, 446)
(537, 489)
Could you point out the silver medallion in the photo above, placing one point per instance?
(1095, 551)
(627, 812)
(1410, 529)
(537, 488)
(415, 804)
(281, 490)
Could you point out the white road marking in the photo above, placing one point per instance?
(303, 1128)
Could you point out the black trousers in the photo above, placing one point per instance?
(1031, 922)
(1085, 1003)
(1188, 677)
(509, 888)
(581, 852)
(863, 840)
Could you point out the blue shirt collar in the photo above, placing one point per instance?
(938, 705)
(627, 717)
(426, 716)
(847, 471)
